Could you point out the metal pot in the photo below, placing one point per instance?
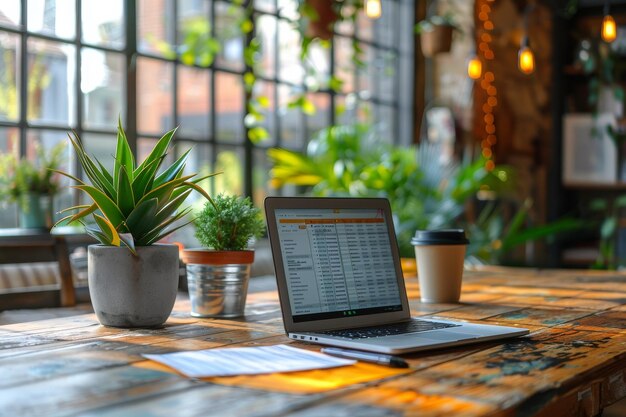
(218, 281)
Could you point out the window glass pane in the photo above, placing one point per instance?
(260, 177)
(200, 162)
(321, 118)
(155, 101)
(9, 143)
(365, 26)
(364, 112)
(194, 95)
(385, 66)
(265, 5)
(9, 61)
(366, 74)
(102, 85)
(47, 139)
(230, 161)
(55, 18)
(229, 107)
(102, 23)
(291, 69)
(10, 11)
(288, 8)
(386, 121)
(344, 67)
(195, 44)
(144, 147)
(345, 109)
(102, 147)
(385, 25)
(155, 30)
(51, 91)
(264, 95)
(227, 21)
(266, 32)
(345, 26)
(9, 140)
(291, 126)
(318, 67)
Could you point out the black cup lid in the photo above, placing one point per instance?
(440, 237)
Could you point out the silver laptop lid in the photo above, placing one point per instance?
(336, 261)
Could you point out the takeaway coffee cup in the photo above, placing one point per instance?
(440, 255)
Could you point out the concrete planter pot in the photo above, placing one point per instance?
(133, 291)
(218, 281)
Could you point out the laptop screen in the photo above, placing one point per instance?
(338, 262)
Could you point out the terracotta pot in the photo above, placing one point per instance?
(437, 40)
(322, 27)
(217, 257)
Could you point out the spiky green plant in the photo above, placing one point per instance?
(133, 205)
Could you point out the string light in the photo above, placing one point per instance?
(373, 9)
(609, 29)
(489, 91)
(474, 68)
(525, 56)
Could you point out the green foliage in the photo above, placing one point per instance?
(228, 223)
(20, 177)
(423, 192)
(353, 161)
(604, 68)
(134, 205)
(608, 211)
(427, 25)
(493, 238)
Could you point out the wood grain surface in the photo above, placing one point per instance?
(572, 364)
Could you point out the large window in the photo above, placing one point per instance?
(78, 64)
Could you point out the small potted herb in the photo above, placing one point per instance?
(218, 276)
(32, 184)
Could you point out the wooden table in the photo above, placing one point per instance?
(573, 363)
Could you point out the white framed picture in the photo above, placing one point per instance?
(589, 153)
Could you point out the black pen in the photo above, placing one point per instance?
(379, 358)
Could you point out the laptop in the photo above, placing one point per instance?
(340, 283)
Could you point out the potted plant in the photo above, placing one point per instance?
(436, 34)
(218, 276)
(32, 185)
(132, 279)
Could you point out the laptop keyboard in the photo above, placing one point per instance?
(413, 326)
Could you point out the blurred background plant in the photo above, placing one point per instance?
(424, 192)
(21, 177)
(608, 211)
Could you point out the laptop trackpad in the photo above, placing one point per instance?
(448, 336)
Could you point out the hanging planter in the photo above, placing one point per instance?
(321, 16)
(436, 41)
(436, 34)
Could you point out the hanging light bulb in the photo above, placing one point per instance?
(373, 9)
(526, 57)
(474, 68)
(609, 30)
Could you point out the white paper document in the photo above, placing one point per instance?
(247, 361)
